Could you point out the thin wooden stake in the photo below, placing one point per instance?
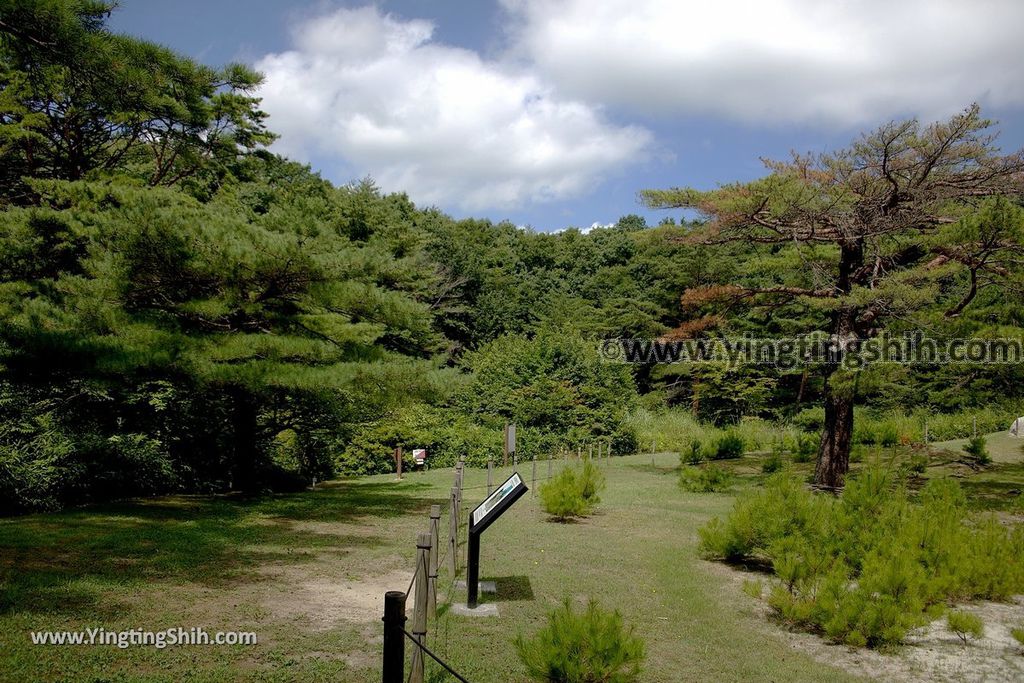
(419, 614)
(435, 532)
(533, 479)
(398, 461)
(490, 475)
(504, 461)
(453, 533)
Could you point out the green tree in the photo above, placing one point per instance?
(76, 98)
(270, 310)
(554, 383)
(883, 229)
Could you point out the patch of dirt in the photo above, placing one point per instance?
(931, 653)
(322, 601)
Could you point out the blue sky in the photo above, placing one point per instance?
(554, 113)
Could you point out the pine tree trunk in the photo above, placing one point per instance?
(836, 435)
(837, 431)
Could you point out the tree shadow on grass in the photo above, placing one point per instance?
(60, 563)
(648, 468)
(508, 588)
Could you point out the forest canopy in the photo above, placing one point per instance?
(181, 309)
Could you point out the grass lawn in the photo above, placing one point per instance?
(307, 572)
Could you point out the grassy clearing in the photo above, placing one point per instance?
(306, 572)
(282, 567)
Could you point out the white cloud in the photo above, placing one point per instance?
(851, 62)
(436, 121)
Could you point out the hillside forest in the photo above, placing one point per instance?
(183, 310)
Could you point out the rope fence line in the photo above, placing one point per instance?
(429, 558)
(434, 657)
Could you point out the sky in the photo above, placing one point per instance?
(555, 113)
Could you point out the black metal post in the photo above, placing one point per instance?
(473, 570)
(394, 639)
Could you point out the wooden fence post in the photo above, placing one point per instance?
(590, 452)
(551, 457)
(490, 474)
(394, 640)
(533, 481)
(453, 532)
(419, 614)
(458, 486)
(398, 461)
(504, 459)
(435, 539)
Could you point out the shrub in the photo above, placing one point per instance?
(561, 497)
(773, 463)
(810, 419)
(868, 566)
(888, 435)
(572, 493)
(806, 448)
(588, 647)
(964, 625)
(694, 455)
(591, 483)
(918, 463)
(978, 450)
(730, 445)
(760, 519)
(708, 479)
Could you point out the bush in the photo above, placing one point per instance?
(694, 455)
(978, 450)
(965, 624)
(572, 494)
(729, 446)
(888, 435)
(710, 479)
(868, 566)
(810, 419)
(561, 497)
(806, 448)
(588, 647)
(591, 483)
(918, 463)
